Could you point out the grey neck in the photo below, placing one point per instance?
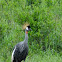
(26, 37)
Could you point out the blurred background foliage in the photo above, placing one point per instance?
(45, 18)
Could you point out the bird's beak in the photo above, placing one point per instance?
(30, 29)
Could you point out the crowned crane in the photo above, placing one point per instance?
(20, 50)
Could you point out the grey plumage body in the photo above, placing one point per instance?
(20, 50)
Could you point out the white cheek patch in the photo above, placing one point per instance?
(13, 54)
(26, 28)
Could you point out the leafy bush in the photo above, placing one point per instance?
(45, 18)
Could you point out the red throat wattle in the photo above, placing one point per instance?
(26, 32)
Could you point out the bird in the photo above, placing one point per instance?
(20, 50)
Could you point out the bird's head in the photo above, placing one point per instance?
(27, 27)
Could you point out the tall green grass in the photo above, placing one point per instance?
(45, 18)
(38, 58)
(45, 58)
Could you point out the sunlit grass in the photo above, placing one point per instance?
(45, 58)
(37, 58)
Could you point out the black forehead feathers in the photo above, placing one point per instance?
(28, 26)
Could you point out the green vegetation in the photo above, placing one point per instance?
(37, 58)
(45, 18)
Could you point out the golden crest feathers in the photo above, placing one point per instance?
(25, 25)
